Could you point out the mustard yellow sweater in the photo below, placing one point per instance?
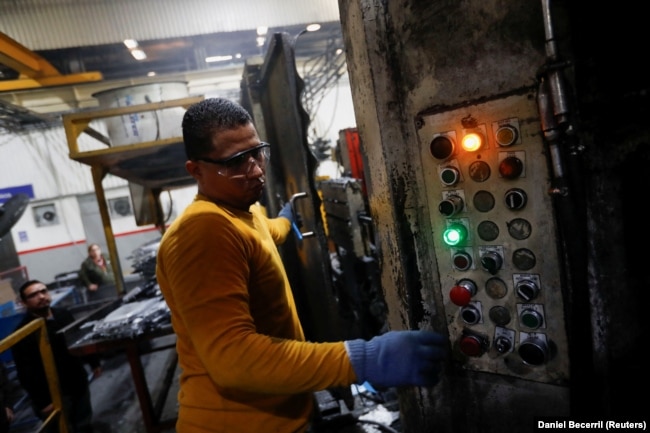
(245, 364)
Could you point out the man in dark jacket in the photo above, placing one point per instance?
(72, 375)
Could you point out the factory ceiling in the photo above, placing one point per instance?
(84, 43)
(177, 55)
(167, 59)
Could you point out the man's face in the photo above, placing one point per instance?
(239, 182)
(37, 298)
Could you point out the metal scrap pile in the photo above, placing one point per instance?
(141, 311)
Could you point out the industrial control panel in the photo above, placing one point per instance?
(487, 183)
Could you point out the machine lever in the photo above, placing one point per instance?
(294, 226)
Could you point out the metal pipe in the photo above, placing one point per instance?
(551, 48)
(554, 73)
(569, 197)
(551, 131)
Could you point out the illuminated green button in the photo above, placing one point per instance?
(455, 234)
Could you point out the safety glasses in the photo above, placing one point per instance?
(241, 163)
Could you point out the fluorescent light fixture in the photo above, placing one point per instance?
(262, 30)
(131, 43)
(138, 54)
(260, 40)
(151, 74)
(213, 59)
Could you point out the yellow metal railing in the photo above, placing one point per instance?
(38, 325)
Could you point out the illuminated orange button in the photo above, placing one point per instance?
(472, 142)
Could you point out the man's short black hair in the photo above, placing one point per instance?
(203, 119)
(25, 285)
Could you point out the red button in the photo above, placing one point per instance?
(460, 295)
(470, 346)
(511, 167)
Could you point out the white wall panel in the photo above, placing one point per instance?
(29, 235)
(51, 24)
(40, 158)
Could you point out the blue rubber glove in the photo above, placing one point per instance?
(287, 212)
(398, 358)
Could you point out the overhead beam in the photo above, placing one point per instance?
(55, 80)
(39, 72)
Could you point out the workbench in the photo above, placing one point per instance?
(135, 347)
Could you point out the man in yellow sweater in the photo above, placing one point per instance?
(246, 366)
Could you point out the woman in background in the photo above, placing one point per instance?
(96, 269)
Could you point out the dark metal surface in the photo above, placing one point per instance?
(271, 92)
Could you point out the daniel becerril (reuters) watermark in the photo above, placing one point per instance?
(593, 425)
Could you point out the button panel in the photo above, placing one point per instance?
(493, 230)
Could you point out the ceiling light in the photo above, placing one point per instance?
(262, 30)
(138, 54)
(130, 43)
(260, 41)
(212, 59)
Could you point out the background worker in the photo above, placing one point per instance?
(246, 366)
(72, 375)
(96, 269)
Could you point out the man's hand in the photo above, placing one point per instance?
(287, 212)
(399, 358)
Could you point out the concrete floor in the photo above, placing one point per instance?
(115, 404)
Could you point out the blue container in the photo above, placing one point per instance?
(7, 309)
(7, 326)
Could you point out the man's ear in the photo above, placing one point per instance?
(194, 169)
